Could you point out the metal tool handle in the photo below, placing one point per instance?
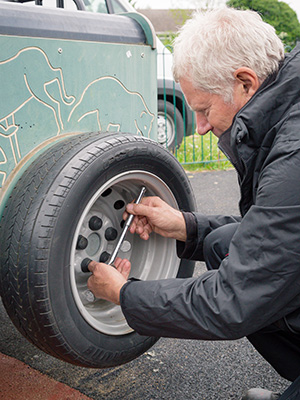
(125, 229)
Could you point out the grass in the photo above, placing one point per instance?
(198, 153)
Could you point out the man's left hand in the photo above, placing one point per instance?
(106, 281)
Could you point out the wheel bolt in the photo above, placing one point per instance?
(111, 234)
(104, 257)
(82, 243)
(95, 223)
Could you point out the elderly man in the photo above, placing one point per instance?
(233, 72)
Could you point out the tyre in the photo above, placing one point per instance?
(68, 206)
(169, 134)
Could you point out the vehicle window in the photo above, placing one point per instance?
(97, 6)
(68, 4)
(117, 7)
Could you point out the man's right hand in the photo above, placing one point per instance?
(154, 215)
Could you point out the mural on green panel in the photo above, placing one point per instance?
(41, 98)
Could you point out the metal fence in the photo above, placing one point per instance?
(177, 124)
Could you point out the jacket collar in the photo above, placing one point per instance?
(252, 125)
(269, 104)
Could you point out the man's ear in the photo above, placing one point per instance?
(248, 79)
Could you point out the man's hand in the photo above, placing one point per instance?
(154, 215)
(107, 281)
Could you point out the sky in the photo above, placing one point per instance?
(294, 4)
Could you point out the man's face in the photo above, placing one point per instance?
(212, 113)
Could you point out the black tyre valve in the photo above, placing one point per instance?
(111, 234)
(82, 243)
(104, 257)
(95, 223)
(85, 265)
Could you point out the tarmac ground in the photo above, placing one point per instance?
(172, 369)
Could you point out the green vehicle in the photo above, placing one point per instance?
(78, 140)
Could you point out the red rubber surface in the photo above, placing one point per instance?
(18, 381)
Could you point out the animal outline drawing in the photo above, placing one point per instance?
(99, 98)
(28, 85)
(107, 102)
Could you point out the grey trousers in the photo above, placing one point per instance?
(276, 343)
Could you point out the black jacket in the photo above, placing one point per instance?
(259, 282)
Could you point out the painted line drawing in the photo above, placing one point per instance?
(3, 160)
(107, 103)
(31, 84)
(28, 84)
(10, 132)
(100, 98)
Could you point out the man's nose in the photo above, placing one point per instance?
(203, 126)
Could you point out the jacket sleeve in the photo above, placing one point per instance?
(256, 285)
(192, 249)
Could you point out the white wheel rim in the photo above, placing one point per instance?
(151, 260)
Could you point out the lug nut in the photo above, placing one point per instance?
(95, 223)
(85, 265)
(82, 243)
(104, 257)
(111, 234)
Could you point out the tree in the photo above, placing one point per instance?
(181, 13)
(132, 2)
(276, 13)
(196, 4)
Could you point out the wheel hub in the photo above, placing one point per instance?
(152, 259)
(165, 129)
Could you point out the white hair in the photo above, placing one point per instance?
(212, 45)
